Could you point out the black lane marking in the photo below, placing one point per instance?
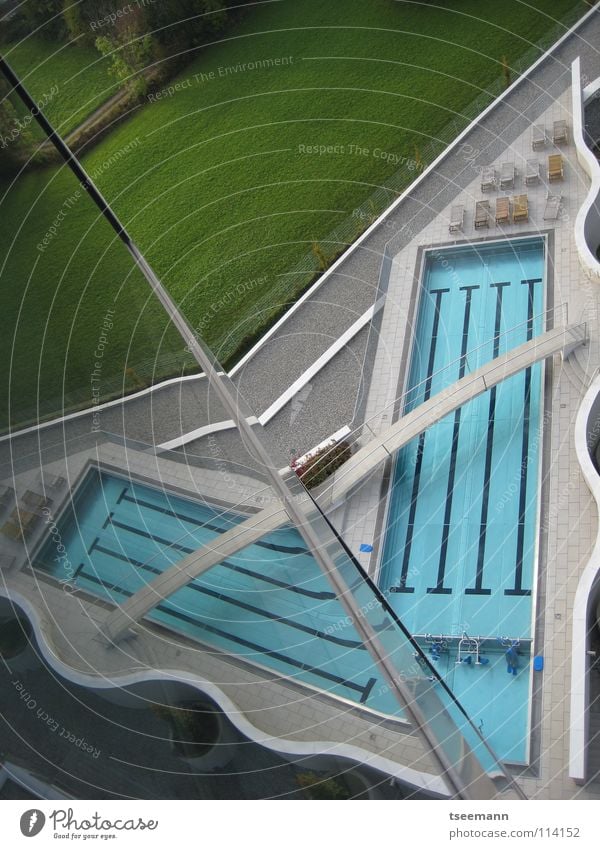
(122, 495)
(352, 644)
(203, 626)
(518, 589)
(367, 690)
(286, 549)
(402, 588)
(439, 588)
(318, 594)
(93, 545)
(108, 521)
(479, 589)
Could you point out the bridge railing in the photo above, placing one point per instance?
(438, 380)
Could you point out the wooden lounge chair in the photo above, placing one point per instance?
(560, 133)
(520, 208)
(12, 531)
(507, 175)
(538, 137)
(35, 502)
(482, 214)
(532, 172)
(457, 218)
(552, 208)
(20, 523)
(502, 210)
(27, 519)
(555, 167)
(488, 179)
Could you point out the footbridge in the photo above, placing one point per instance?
(562, 340)
(558, 340)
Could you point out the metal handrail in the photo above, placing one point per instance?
(402, 399)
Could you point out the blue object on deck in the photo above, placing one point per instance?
(512, 660)
(364, 546)
(538, 663)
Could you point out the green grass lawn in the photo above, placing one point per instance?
(79, 73)
(220, 190)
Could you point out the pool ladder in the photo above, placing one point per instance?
(437, 645)
(469, 648)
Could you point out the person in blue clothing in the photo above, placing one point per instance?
(512, 660)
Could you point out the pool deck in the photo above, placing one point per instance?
(568, 521)
(288, 716)
(279, 712)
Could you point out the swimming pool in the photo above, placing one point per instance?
(460, 545)
(269, 603)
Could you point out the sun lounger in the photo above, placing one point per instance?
(555, 167)
(457, 218)
(28, 519)
(560, 133)
(532, 172)
(7, 494)
(19, 524)
(520, 208)
(12, 531)
(482, 214)
(488, 179)
(502, 210)
(552, 208)
(538, 137)
(7, 561)
(35, 500)
(507, 175)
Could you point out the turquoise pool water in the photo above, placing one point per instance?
(460, 544)
(268, 603)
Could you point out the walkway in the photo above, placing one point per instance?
(184, 571)
(564, 339)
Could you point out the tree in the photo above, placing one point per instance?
(15, 137)
(183, 24)
(322, 786)
(82, 17)
(129, 48)
(75, 23)
(45, 17)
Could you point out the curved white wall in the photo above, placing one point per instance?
(430, 783)
(587, 223)
(587, 433)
